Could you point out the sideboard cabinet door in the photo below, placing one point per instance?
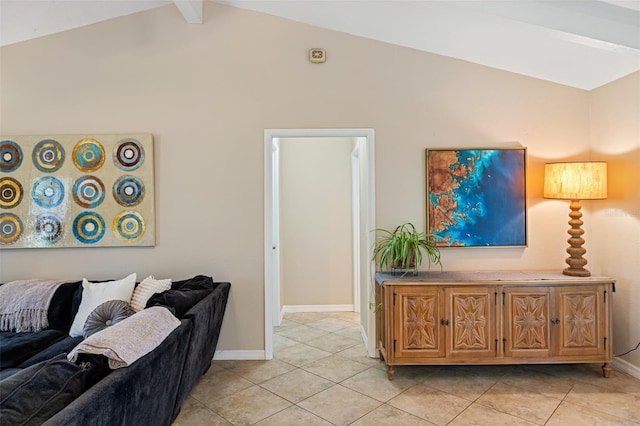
(582, 327)
(527, 316)
(417, 317)
(470, 319)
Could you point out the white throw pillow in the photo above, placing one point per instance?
(95, 294)
(147, 288)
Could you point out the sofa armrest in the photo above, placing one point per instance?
(143, 393)
(207, 316)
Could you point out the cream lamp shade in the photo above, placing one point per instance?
(576, 181)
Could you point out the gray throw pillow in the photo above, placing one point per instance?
(105, 315)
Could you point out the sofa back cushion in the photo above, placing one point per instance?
(60, 313)
(183, 295)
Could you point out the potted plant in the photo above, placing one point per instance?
(402, 249)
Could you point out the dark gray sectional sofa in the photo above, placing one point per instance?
(148, 392)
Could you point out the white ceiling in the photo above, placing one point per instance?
(579, 43)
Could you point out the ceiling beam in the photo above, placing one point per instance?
(191, 10)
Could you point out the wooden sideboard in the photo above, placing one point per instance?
(493, 317)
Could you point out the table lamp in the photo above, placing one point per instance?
(576, 181)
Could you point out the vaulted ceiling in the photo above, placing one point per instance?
(579, 43)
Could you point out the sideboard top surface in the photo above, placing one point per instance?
(487, 277)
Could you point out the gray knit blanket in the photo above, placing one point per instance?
(129, 340)
(24, 304)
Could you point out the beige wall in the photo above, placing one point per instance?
(615, 138)
(207, 92)
(315, 221)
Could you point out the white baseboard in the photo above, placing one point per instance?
(238, 355)
(626, 367)
(316, 308)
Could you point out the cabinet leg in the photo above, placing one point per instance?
(390, 372)
(606, 369)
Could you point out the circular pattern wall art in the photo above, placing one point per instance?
(10, 193)
(48, 155)
(88, 155)
(48, 192)
(128, 154)
(129, 226)
(10, 156)
(88, 227)
(49, 227)
(128, 191)
(88, 192)
(10, 228)
(83, 190)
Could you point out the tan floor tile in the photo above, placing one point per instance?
(216, 385)
(479, 415)
(374, 384)
(284, 325)
(339, 405)
(249, 406)
(359, 353)
(420, 373)
(281, 342)
(390, 416)
(262, 392)
(300, 354)
(352, 317)
(466, 383)
(215, 366)
(333, 343)
(430, 404)
(293, 416)
(330, 324)
(194, 413)
(297, 385)
(542, 383)
(304, 317)
(353, 332)
(571, 414)
(335, 368)
(302, 333)
(225, 364)
(260, 371)
(530, 406)
(623, 405)
(592, 374)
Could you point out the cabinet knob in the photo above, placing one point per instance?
(555, 321)
(444, 322)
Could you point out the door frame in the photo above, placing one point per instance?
(367, 207)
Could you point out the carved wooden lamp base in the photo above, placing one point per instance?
(575, 260)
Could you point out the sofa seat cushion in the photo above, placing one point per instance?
(17, 347)
(7, 372)
(62, 346)
(31, 396)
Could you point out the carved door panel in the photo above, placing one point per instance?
(580, 324)
(527, 315)
(471, 322)
(417, 315)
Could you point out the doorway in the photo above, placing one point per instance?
(362, 182)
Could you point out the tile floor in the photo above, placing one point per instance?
(320, 375)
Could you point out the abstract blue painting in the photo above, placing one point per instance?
(477, 197)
